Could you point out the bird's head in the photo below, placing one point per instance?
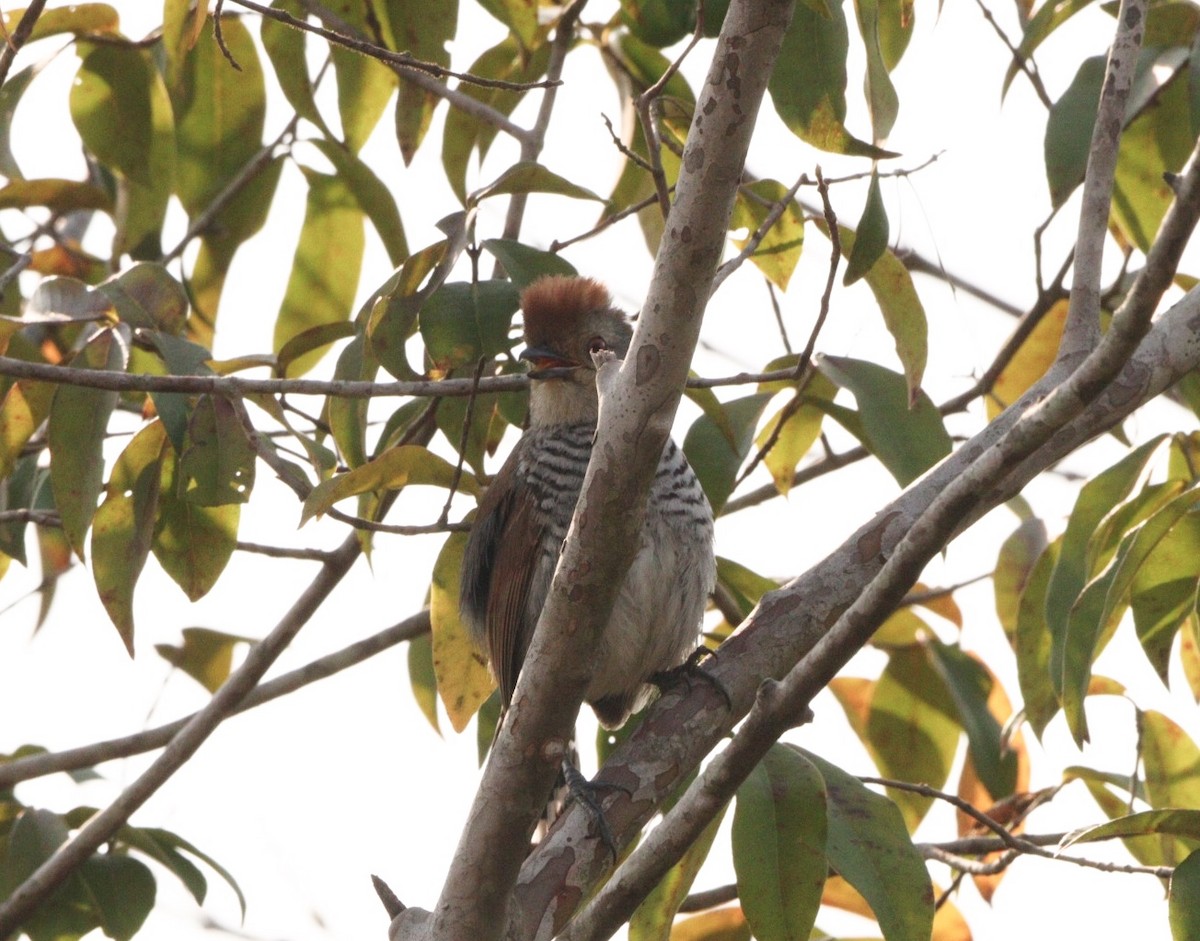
(566, 320)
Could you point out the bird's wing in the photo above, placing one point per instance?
(502, 553)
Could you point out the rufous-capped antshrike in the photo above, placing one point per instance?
(524, 516)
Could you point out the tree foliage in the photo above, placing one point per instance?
(124, 437)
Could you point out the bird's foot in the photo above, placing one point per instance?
(587, 794)
(689, 671)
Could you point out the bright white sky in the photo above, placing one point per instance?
(304, 798)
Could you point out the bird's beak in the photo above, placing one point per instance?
(546, 363)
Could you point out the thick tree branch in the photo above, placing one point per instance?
(635, 420)
(68, 857)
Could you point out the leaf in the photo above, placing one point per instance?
(779, 251)
(59, 196)
(423, 30)
(1172, 767)
(653, 918)
(10, 96)
(808, 86)
(745, 586)
(970, 685)
(882, 100)
(526, 176)
(1183, 911)
(907, 440)
(407, 465)
(659, 23)
(721, 924)
(77, 18)
(1069, 130)
(903, 313)
(124, 526)
(714, 459)
(519, 16)
(871, 236)
(78, 424)
(869, 847)
(372, 196)
(364, 85)
(1033, 357)
(1163, 593)
(524, 264)
(347, 416)
(285, 48)
(1168, 824)
(779, 835)
(146, 296)
(205, 655)
(462, 323)
(465, 134)
(422, 678)
(168, 848)
(326, 265)
(1047, 19)
(121, 891)
(1014, 569)
(1096, 500)
(911, 728)
(192, 543)
(218, 461)
(463, 680)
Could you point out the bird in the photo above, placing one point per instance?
(522, 520)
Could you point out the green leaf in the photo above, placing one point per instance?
(912, 728)
(907, 440)
(146, 296)
(799, 431)
(779, 837)
(285, 48)
(10, 96)
(1096, 500)
(462, 323)
(121, 109)
(372, 196)
(364, 85)
(422, 678)
(1069, 130)
(314, 338)
(1163, 593)
(463, 680)
(1171, 761)
(205, 655)
(78, 424)
(869, 847)
(871, 236)
(168, 848)
(1184, 822)
(525, 176)
(326, 265)
(1047, 19)
(218, 461)
(407, 465)
(77, 18)
(970, 686)
(1014, 569)
(713, 457)
(520, 16)
(746, 586)
(779, 250)
(463, 133)
(124, 526)
(1183, 911)
(121, 891)
(808, 86)
(659, 23)
(347, 416)
(653, 918)
(524, 264)
(882, 100)
(59, 196)
(424, 29)
(192, 543)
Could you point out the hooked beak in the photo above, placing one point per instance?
(546, 363)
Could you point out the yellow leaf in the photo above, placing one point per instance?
(463, 680)
(1031, 361)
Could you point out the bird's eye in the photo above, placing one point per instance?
(597, 344)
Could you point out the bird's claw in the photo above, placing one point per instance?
(585, 791)
(689, 671)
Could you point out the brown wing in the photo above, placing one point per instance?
(502, 552)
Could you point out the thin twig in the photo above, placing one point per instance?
(69, 856)
(783, 334)
(778, 208)
(220, 36)
(284, 552)
(19, 36)
(1020, 61)
(88, 756)
(401, 60)
(557, 246)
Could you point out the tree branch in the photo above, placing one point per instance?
(636, 412)
(19, 35)
(70, 855)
